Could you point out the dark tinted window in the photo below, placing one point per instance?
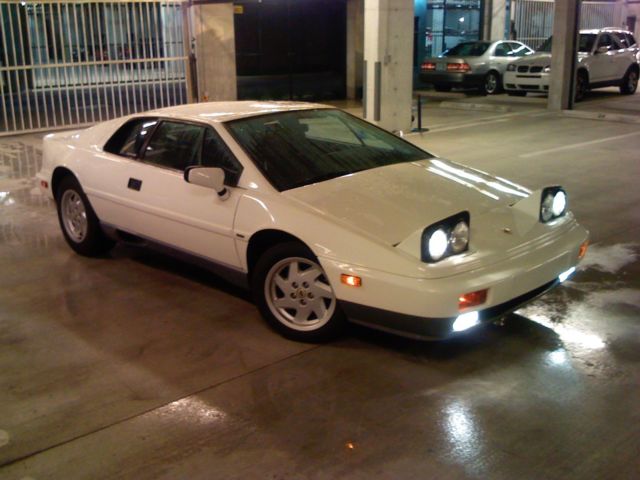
(467, 49)
(130, 137)
(631, 41)
(175, 145)
(502, 50)
(605, 40)
(215, 153)
(293, 149)
(622, 39)
(586, 42)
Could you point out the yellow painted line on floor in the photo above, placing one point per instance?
(577, 145)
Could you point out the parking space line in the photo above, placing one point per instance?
(577, 145)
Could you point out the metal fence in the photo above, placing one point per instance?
(73, 63)
(534, 18)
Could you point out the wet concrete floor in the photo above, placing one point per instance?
(137, 366)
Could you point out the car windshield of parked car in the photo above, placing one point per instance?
(293, 149)
(467, 49)
(585, 45)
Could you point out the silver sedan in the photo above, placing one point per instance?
(477, 64)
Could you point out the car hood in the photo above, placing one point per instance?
(390, 203)
(537, 58)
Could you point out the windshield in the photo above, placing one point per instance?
(585, 45)
(467, 49)
(293, 149)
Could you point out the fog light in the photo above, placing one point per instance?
(465, 321)
(564, 275)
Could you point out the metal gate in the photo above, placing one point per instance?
(533, 19)
(73, 63)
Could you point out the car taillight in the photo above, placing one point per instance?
(458, 67)
(428, 66)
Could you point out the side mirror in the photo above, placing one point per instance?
(207, 177)
(603, 49)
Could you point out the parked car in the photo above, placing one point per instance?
(606, 57)
(472, 65)
(323, 215)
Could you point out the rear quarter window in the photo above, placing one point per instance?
(129, 138)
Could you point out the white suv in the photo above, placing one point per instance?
(606, 57)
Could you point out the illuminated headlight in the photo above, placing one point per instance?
(547, 69)
(511, 68)
(446, 238)
(553, 205)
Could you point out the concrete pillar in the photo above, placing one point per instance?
(498, 19)
(215, 51)
(355, 47)
(566, 21)
(388, 54)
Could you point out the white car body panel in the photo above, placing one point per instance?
(367, 224)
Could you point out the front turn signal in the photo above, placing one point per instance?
(351, 280)
(583, 249)
(472, 299)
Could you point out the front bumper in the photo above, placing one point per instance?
(526, 82)
(423, 328)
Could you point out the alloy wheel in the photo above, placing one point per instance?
(298, 294)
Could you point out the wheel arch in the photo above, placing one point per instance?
(56, 178)
(262, 240)
(583, 71)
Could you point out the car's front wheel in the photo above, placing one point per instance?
(293, 293)
(79, 223)
(629, 83)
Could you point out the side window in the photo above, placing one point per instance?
(175, 145)
(129, 138)
(215, 153)
(631, 41)
(605, 41)
(519, 50)
(502, 50)
(622, 39)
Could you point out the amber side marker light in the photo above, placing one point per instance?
(583, 249)
(351, 280)
(472, 299)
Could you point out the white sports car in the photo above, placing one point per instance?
(326, 217)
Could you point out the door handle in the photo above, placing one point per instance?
(134, 184)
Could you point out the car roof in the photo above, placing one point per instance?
(606, 29)
(227, 111)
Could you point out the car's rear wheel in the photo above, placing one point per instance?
(293, 293)
(629, 83)
(492, 83)
(582, 85)
(516, 93)
(79, 223)
(442, 88)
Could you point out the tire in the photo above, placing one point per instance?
(442, 88)
(629, 83)
(79, 223)
(492, 83)
(517, 93)
(293, 294)
(582, 85)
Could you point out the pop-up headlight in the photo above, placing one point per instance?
(445, 238)
(553, 205)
